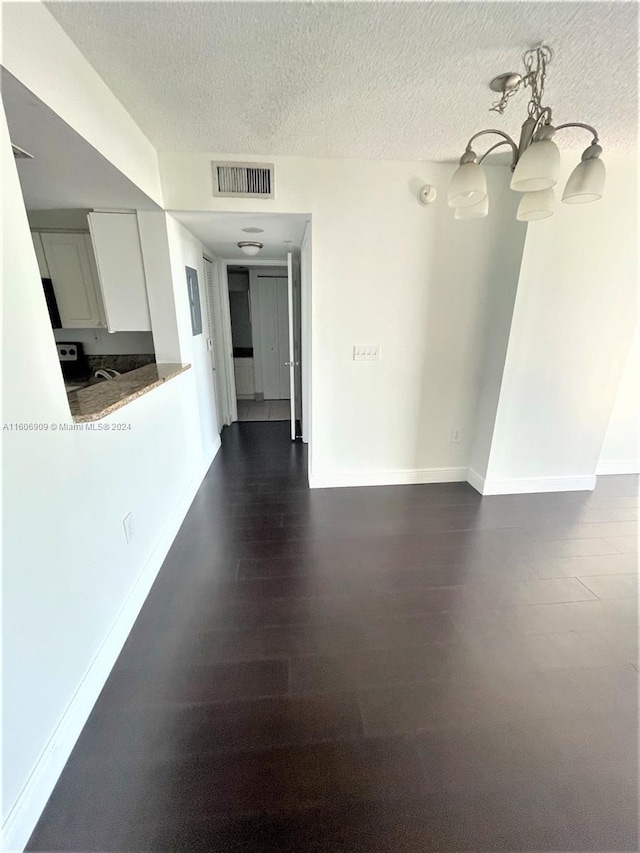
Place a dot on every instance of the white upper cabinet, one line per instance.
(69, 262)
(42, 261)
(116, 243)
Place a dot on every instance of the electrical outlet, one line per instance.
(129, 528)
(370, 353)
(456, 436)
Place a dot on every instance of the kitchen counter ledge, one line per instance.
(98, 401)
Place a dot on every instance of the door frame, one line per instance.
(292, 347)
(224, 333)
(305, 267)
(213, 342)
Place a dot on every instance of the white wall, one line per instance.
(186, 250)
(620, 452)
(100, 342)
(64, 219)
(387, 271)
(72, 586)
(574, 317)
(500, 300)
(41, 55)
(472, 284)
(154, 242)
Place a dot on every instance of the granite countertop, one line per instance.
(98, 401)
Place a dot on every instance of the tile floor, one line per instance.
(263, 410)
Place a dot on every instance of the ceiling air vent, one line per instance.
(243, 180)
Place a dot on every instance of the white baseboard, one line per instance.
(349, 479)
(476, 480)
(485, 486)
(618, 466)
(24, 815)
(532, 485)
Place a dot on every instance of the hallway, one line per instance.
(263, 410)
(382, 670)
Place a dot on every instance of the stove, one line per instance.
(73, 361)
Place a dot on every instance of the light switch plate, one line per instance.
(366, 353)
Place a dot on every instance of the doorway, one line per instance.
(259, 315)
(265, 335)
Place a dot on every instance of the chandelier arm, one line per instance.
(507, 140)
(493, 147)
(583, 126)
(505, 136)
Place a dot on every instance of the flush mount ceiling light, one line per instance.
(535, 159)
(253, 230)
(250, 248)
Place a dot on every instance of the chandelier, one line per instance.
(535, 160)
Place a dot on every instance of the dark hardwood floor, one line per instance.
(407, 668)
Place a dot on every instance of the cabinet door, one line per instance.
(116, 243)
(243, 368)
(42, 261)
(69, 261)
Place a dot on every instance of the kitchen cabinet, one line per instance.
(40, 256)
(245, 386)
(118, 253)
(71, 268)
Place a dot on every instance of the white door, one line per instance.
(273, 319)
(210, 291)
(292, 363)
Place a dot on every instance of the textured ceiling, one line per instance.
(368, 80)
(221, 232)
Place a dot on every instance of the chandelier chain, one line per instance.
(535, 62)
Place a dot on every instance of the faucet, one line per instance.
(106, 373)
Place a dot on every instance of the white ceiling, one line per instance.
(221, 232)
(66, 172)
(369, 80)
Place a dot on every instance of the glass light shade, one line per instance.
(586, 182)
(538, 167)
(468, 186)
(474, 211)
(249, 248)
(538, 205)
